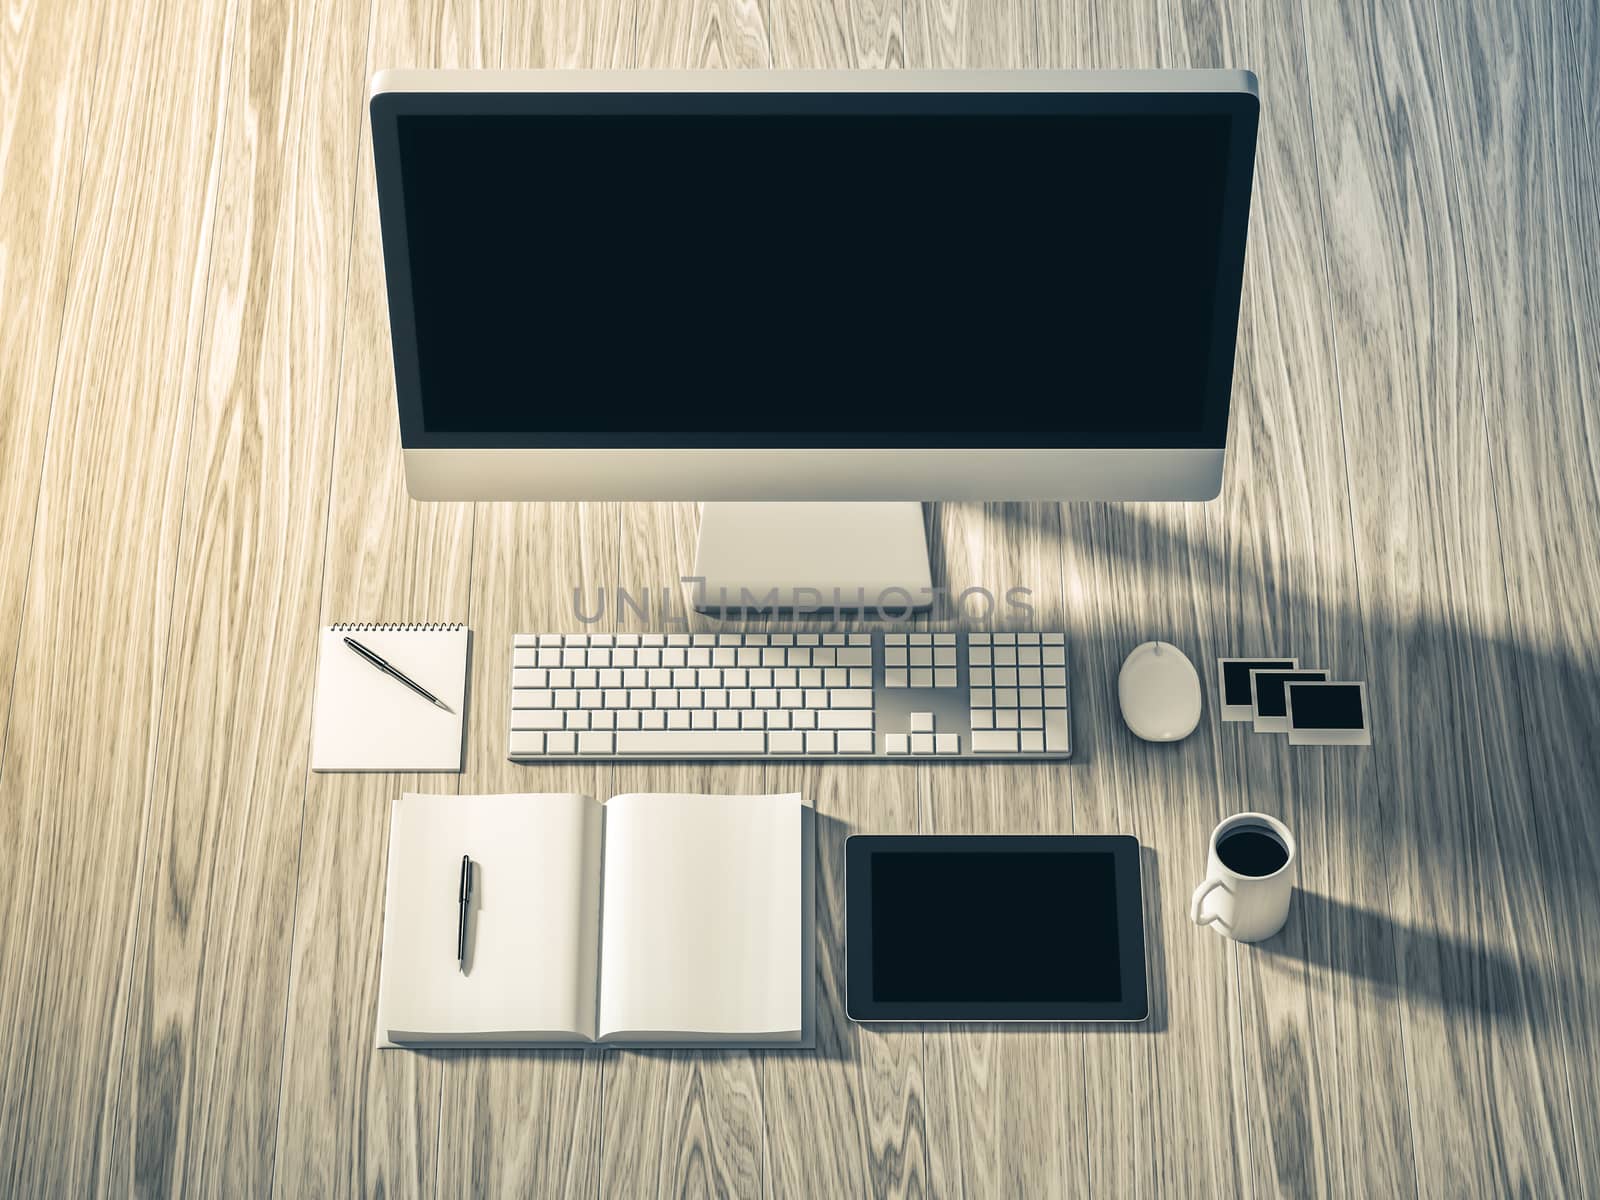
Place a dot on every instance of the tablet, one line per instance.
(994, 928)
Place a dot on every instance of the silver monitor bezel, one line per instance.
(579, 472)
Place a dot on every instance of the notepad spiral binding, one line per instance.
(396, 627)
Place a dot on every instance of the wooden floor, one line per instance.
(199, 465)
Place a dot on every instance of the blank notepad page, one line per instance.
(366, 720)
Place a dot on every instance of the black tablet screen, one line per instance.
(980, 926)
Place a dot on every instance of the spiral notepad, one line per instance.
(366, 720)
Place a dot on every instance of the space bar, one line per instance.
(691, 741)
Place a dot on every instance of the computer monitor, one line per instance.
(814, 287)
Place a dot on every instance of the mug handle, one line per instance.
(1200, 894)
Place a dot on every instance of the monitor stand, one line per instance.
(811, 557)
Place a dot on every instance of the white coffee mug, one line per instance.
(1246, 908)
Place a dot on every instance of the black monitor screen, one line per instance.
(982, 926)
(821, 278)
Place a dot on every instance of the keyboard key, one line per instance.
(1005, 697)
(691, 741)
(605, 719)
(616, 698)
(944, 656)
(894, 656)
(922, 722)
(749, 718)
(944, 677)
(982, 718)
(855, 742)
(859, 639)
(524, 742)
(819, 741)
(1032, 741)
(844, 718)
(1032, 718)
(1005, 718)
(538, 718)
(591, 698)
(786, 741)
(947, 743)
(817, 698)
(894, 639)
(577, 718)
(836, 677)
(922, 743)
(561, 743)
(922, 656)
(860, 677)
(653, 718)
(678, 718)
(595, 742)
(1054, 656)
(823, 657)
(848, 699)
(741, 698)
(897, 743)
(803, 718)
(566, 698)
(994, 741)
(922, 677)
(627, 718)
(792, 698)
(1055, 731)
(896, 678)
(532, 698)
(641, 698)
(1055, 677)
(702, 718)
(982, 698)
(1030, 698)
(727, 718)
(853, 656)
(666, 698)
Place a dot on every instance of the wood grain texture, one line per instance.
(1475, 978)
(1529, 289)
(352, 1120)
(47, 71)
(91, 656)
(198, 1106)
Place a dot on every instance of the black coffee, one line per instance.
(1251, 852)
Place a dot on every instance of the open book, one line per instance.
(646, 920)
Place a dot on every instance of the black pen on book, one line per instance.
(464, 895)
(388, 670)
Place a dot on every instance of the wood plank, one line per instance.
(526, 1121)
(1564, 708)
(1006, 1107)
(91, 654)
(47, 70)
(1489, 1105)
(1522, 173)
(848, 1118)
(529, 1122)
(1166, 1108)
(1326, 1107)
(198, 1106)
(676, 1122)
(351, 1119)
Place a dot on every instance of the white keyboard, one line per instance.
(789, 695)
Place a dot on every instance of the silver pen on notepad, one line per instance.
(388, 670)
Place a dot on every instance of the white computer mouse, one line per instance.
(1159, 691)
